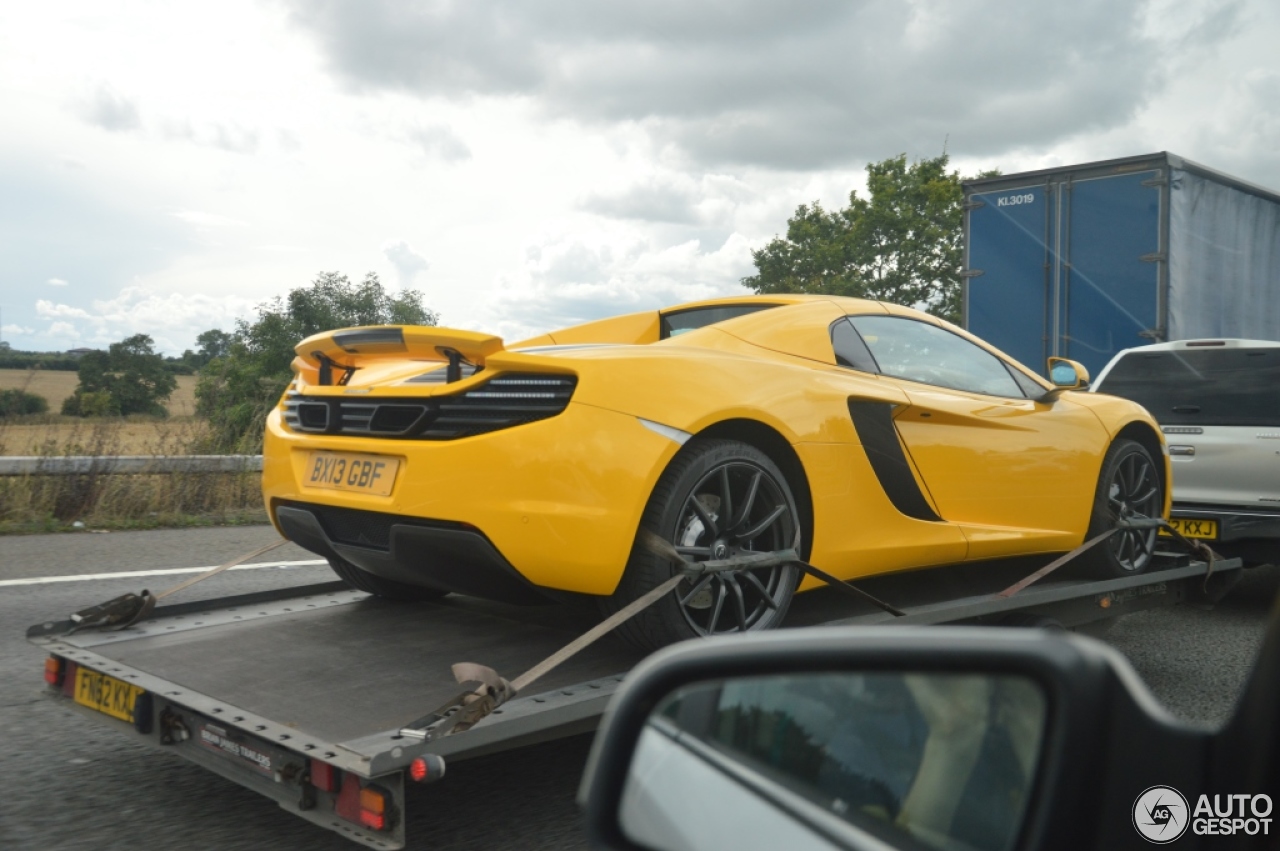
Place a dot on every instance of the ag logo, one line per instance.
(1160, 814)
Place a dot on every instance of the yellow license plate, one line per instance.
(351, 471)
(1194, 527)
(106, 694)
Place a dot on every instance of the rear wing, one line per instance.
(348, 348)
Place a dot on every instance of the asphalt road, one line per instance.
(67, 784)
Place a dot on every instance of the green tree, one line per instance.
(128, 378)
(212, 344)
(901, 244)
(236, 391)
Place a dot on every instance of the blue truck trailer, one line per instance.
(1083, 261)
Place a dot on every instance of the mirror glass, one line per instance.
(819, 760)
(1063, 375)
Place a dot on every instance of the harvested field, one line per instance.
(56, 385)
(68, 436)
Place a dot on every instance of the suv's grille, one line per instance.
(501, 402)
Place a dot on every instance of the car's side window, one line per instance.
(918, 351)
(850, 350)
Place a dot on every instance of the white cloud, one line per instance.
(229, 137)
(56, 282)
(104, 108)
(63, 330)
(203, 219)
(569, 279)
(409, 263)
(17, 330)
(639, 150)
(439, 141)
(171, 319)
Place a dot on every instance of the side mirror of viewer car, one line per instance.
(922, 738)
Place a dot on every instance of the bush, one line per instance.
(16, 403)
(90, 404)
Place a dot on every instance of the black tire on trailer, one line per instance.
(1129, 486)
(717, 498)
(388, 589)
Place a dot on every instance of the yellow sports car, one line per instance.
(421, 461)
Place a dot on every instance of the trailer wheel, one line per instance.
(718, 498)
(1129, 486)
(389, 589)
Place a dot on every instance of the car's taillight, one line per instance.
(504, 401)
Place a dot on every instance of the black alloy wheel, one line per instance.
(717, 499)
(1130, 487)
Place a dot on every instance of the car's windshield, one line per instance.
(1209, 386)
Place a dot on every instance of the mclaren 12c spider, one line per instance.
(421, 461)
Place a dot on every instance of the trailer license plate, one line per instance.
(351, 471)
(106, 694)
(1194, 527)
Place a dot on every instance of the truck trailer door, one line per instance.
(1108, 299)
(1007, 297)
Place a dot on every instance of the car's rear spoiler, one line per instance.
(348, 348)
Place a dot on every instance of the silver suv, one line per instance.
(1218, 403)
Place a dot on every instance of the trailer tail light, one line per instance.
(368, 806)
(373, 808)
(55, 670)
(69, 669)
(325, 777)
(426, 769)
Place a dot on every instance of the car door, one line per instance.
(1018, 475)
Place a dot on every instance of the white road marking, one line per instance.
(134, 574)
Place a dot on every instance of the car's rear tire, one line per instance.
(688, 508)
(1130, 485)
(389, 589)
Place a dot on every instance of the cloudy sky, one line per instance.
(166, 167)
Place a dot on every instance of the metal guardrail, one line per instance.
(62, 465)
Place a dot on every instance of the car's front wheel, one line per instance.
(717, 499)
(1129, 487)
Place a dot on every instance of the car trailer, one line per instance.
(322, 698)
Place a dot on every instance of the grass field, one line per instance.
(133, 436)
(56, 385)
(45, 503)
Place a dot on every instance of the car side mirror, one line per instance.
(902, 737)
(1065, 375)
(1068, 374)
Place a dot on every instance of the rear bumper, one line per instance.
(1234, 524)
(558, 501)
(408, 550)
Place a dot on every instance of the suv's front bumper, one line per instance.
(1234, 524)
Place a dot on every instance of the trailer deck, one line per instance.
(271, 689)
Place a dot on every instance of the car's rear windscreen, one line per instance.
(1226, 386)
